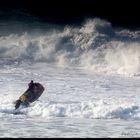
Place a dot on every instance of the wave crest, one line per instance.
(94, 45)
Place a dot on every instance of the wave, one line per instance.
(91, 109)
(94, 45)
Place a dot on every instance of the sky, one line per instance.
(118, 12)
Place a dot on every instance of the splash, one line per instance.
(94, 45)
(88, 109)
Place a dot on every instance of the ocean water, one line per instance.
(90, 73)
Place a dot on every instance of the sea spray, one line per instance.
(94, 45)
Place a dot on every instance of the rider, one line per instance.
(31, 94)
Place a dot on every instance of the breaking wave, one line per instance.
(94, 45)
(100, 110)
(91, 109)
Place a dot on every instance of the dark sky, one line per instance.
(118, 12)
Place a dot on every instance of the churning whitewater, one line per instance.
(91, 77)
(95, 45)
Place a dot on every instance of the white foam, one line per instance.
(94, 45)
(91, 109)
